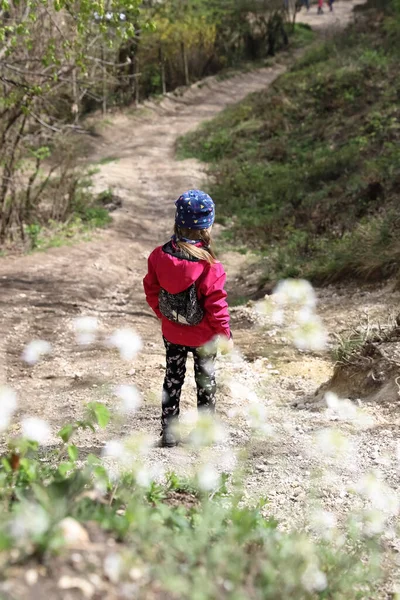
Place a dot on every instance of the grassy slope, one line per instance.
(311, 169)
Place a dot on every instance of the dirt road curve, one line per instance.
(40, 294)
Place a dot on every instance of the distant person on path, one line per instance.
(185, 288)
(330, 4)
(320, 7)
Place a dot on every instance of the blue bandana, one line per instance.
(194, 210)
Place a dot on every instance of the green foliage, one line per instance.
(313, 166)
(189, 543)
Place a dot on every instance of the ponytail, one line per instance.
(205, 252)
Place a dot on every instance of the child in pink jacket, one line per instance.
(185, 288)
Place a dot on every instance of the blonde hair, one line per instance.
(205, 252)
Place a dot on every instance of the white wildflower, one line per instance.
(313, 579)
(256, 416)
(30, 521)
(114, 449)
(190, 417)
(309, 333)
(374, 522)
(323, 522)
(298, 292)
(85, 329)
(138, 444)
(8, 405)
(343, 409)
(34, 351)
(130, 398)
(333, 443)
(278, 317)
(346, 410)
(35, 429)
(379, 494)
(242, 392)
(113, 566)
(143, 477)
(208, 478)
(208, 431)
(127, 341)
(146, 475)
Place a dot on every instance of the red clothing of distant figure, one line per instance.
(173, 274)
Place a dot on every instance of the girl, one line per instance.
(185, 288)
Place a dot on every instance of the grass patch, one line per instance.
(108, 159)
(309, 172)
(87, 215)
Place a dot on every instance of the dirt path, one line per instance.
(40, 294)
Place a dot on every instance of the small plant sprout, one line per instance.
(35, 430)
(127, 341)
(208, 478)
(8, 405)
(85, 329)
(35, 350)
(130, 398)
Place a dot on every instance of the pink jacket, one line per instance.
(174, 274)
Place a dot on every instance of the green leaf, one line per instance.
(65, 467)
(101, 413)
(6, 465)
(73, 452)
(66, 432)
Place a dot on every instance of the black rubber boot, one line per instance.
(168, 438)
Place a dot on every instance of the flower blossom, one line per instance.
(208, 478)
(127, 341)
(130, 398)
(297, 292)
(85, 329)
(35, 429)
(34, 351)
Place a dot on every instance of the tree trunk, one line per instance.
(104, 93)
(137, 80)
(185, 63)
(162, 70)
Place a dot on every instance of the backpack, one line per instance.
(183, 308)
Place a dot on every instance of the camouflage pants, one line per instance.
(204, 374)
